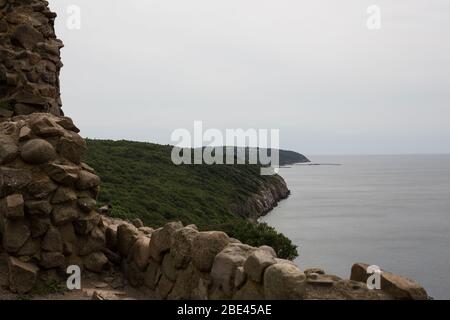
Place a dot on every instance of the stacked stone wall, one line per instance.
(48, 217)
(29, 59)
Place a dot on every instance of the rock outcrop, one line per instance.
(398, 287)
(262, 202)
(29, 59)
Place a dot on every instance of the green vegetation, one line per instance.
(44, 288)
(140, 180)
(51, 286)
(6, 105)
(291, 157)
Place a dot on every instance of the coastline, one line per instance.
(264, 200)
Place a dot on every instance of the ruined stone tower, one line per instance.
(47, 194)
(29, 59)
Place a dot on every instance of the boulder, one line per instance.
(22, 109)
(27, 36)
(52, 241)
(162, 239)
(152, 274)
(240, 277)
(189, 285)
(8, 149)
(63, 214)
(41, 187)
(86, 223)
(134, 275)
(50, 260)
(146, 230)
(226, 264)
(314, 271)
(31, 248)
(69, 239)
(269, 250)
(15, 235)
(13, 180)
(164, 287)
(67, 124)
(64, 194)
(168, 268)
(140, 252)
(93, 242)
(13, 206)
(112, 256)
(25, 133)
(87, 204)
(72, 148)
(38, 151)
(6, 113)
(63, 174)
(398, 287)
(22, 276)
(43, 125)
(39, 226)
(99, 296)
(137, 223)
(181, 248)
(87, 180)
(29, 99)
(257, 263)
(206, 245)
(3, 24)
(321, 280)
(284, 281)
(41, 208)
(127, 235)
(95, 262)
(250, 291)
(111, 237)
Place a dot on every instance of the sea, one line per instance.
(389, 211)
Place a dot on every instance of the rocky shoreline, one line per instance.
(265, 200)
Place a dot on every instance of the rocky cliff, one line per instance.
(262, 202)
(48, 215)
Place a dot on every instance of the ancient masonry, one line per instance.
(30, 60)
(48, 215)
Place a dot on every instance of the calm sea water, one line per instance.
(392, 211)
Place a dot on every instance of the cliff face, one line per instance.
(29, 59)
(259, 204)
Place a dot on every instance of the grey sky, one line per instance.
(138, 69)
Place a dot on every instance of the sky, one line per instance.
(140, 69)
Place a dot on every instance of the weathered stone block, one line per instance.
(22, 276)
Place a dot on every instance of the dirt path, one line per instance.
(108, 286)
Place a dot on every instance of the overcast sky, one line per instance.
(139, 69)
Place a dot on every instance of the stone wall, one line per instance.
(47, 199)
(29, 59)
(181, 263)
